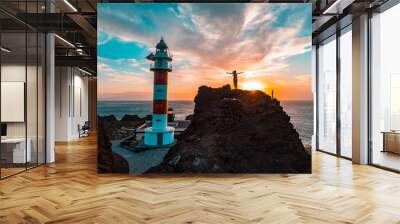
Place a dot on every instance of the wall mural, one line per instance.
(204, 88)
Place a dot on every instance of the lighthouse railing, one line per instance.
(153, 66)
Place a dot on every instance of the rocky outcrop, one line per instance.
(189, 117)
(133, 120)
(237, 131)
(120, 165)
(120, 129)
(107, 161)
(104, 152)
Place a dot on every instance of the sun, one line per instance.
(252, 85)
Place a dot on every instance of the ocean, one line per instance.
(301, 112)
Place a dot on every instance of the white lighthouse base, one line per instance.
(159, 137)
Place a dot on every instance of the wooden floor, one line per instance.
(70, 191)
(387, 159)
(5, 172)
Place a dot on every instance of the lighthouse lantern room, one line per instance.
(160, 133)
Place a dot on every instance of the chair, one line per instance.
(84, 130)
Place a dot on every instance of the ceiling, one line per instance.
(331, 15)
(73, 21)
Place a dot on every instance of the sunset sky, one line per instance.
(270, 42)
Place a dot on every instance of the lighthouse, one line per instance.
(160, 134)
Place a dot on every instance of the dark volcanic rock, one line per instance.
(107, 161)
(119, 129)
(120, 165)
(237, 131)
(113, 127)
(104, 152)
(189, 117)
(109, 122)
(109, 128)
(130, 118)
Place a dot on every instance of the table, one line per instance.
(19, 155)
(391, 141)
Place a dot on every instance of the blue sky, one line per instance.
(270, 42)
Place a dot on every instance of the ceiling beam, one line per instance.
(77, 61)
(86, 26)
(320, 23)
(49, 22)
(337, 7)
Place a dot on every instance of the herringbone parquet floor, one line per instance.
(70, 191)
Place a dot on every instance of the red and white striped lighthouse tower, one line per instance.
(160, 133)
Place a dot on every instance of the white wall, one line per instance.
(80, 110)
(12, 73)
(17, 73)
(71, 102)
(62, 82)
(33, 126)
